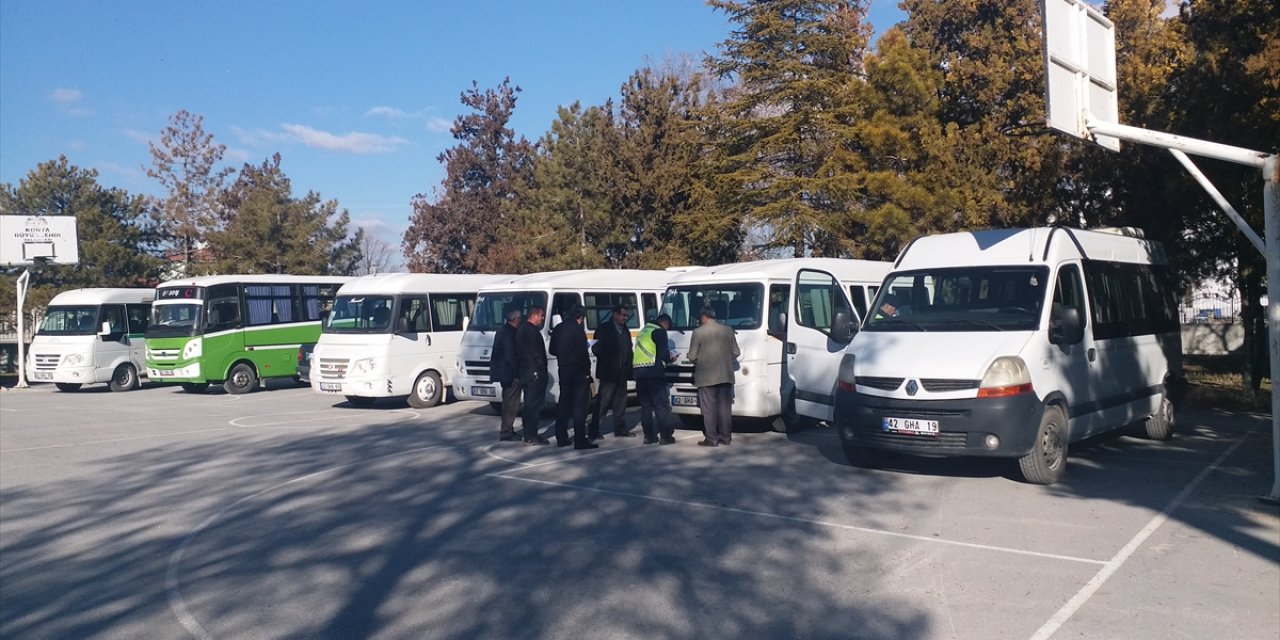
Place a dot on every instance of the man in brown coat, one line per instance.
(713, 351)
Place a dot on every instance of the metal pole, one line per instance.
(23, 281)
(1238, 155)
(1221, 200)
(1271, 207)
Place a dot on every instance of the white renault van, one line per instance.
(1012, 344)
(90, 336)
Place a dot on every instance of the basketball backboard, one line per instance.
(27, 239)
(1080, 69)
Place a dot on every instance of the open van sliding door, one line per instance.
(813, 353)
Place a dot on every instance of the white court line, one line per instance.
(82, 444)
(172, 582)
(821, 523)
(1111, 566)
(327, 412)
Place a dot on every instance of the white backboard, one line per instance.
(26, 239)
(1080, 69)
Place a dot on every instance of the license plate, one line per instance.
(487, 392)
(335, 387)
(42, 375)
(911, 425)
(684, 401)
(164, 373)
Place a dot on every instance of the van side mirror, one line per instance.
(556, 320)
(1067, 328)
(842, 327)
(105, 330)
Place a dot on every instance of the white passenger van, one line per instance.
(92, 335)
(793, 319)
(1013, 344)
(556, 292)
(394, 335)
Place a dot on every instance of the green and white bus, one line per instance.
(235, 329)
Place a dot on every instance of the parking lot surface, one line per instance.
(286, 514)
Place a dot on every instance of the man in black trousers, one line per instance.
(531, 365)
(613, 369)
(569, 346)
(502, 370)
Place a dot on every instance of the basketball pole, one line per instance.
(23, 281)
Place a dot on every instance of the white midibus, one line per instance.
(92, 335)
(395, 335)
(556, 292)
(793, 319)
(1013, 343)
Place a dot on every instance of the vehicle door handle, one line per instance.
(1092, 353)
(428, 340)
(791, 347)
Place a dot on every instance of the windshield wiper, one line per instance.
(898, 320)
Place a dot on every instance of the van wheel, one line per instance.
(360, 401)
(67, 386)
(195, 387)
(1048, 458)
(861, 457)
(124, 378)
(790, 421)
(1160, 425)
(427, 390)
(242, 379)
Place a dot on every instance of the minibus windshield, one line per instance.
(491, 307)
(174, 320)
(80, 320)
(360, 314)
(736, 305)
(961, 299)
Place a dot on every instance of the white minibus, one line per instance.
(556, 292)
(792, 318)
(1013, 344)
(92, 335)
(395, 335)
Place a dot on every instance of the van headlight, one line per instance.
(1007, 376)
(193, 349)
(74, 359)
(365, 365)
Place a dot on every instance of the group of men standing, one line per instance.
(519, 363)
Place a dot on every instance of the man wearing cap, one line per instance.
(569, 346)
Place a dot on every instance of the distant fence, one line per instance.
(1210, 309)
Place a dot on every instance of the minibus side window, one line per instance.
(562, 304)
(779, 294)
(1067, 293)
(113, 315)
(859, 299)
(650, 301)
(819, 298)
(139, 317)
(413, 310)
(447, 311)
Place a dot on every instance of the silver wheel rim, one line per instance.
(426, 388)
(240, 379)
(125, 377)
(1051, 446)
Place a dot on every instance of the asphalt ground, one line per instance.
(286, 514)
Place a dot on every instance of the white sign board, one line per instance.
(1080, 69)
(26, 239)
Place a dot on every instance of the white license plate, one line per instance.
(910, 425)
(164, 373)
(41, 375)
(684, 401)
(487, 392)
(335, 387)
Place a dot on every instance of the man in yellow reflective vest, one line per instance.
(648, 366)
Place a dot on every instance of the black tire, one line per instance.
(360, 401)
(427, 390)
(241, 379)
(1047, 460)
(195, 387)
(67, 386)
(124, 378)
(1160, 425)
(790, 421)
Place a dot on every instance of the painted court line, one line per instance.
(82, 444)
(1111, 566)
(821, 523)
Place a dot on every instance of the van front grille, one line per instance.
(875, 382)
(937, 385)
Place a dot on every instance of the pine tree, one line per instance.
(186, 165)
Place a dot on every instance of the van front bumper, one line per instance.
(963, 425)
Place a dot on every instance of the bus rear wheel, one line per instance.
(124, 378)
(67, 386)
(194, 387)
(241, 379)
(427, 390)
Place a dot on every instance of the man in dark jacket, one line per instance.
(569, 346)
(613, 369)
(502, 370)
(531, 367)
(648, 367)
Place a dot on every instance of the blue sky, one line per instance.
(356, 96)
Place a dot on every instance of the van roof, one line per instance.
(257, 278)
(103, 296)
(786, 269)
(1039, 245)
(393, 283)
(602, 279)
